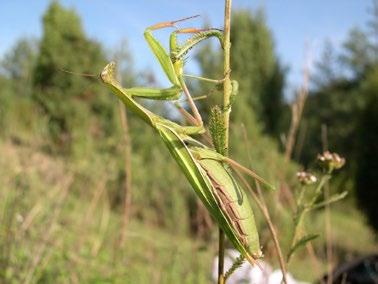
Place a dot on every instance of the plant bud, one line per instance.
(330, 161)
(306, 178)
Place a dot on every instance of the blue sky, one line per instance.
(293, 23)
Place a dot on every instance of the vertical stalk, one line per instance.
(128, 183)
(264, 209)
(227, 89)
(297, 111)
(221, 279)
(328, 230)
(327, 213)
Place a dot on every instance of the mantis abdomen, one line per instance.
(234, 203)
(218, 190)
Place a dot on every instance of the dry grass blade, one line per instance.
(296, 114)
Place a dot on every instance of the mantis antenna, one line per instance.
(80, 74)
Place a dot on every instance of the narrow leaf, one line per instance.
(303, 241)
(332, 199)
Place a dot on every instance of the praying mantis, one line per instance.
(208, 172)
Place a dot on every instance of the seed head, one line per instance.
(330, 161)
(306, 178)
(217, 129)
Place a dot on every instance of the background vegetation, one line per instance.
(63, 155)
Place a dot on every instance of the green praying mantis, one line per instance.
(208, 172)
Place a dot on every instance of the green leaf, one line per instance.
(303, 241)
(332, 199)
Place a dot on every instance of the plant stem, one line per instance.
(297, 225)
(296, 113)
(264, 208)
(328, 233)
(227, 89)
(318, 189)
(300, 197)
(302, 209)
(128, 183)
(221, 257)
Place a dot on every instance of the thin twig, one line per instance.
(296, 117)
(328, 231)
(327, 214)
(227, 88)
(221, 279)
(273, 233)
(128, 174)
(296, 113)
(264, 209)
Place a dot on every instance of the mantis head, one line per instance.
(108, 74)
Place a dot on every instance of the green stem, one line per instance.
(297, 225)
(227, 89)
(221, 279)
(318, 189)
(303, 208)
(300, 197)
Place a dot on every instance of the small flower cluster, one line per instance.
(306, 178)
(330, 161)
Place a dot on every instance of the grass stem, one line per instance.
(227, 89)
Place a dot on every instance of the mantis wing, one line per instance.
(219, 192)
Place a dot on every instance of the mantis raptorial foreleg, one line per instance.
(109, 78)
(172, 65)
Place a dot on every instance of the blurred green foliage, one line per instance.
(342, 100)
(367, 155)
